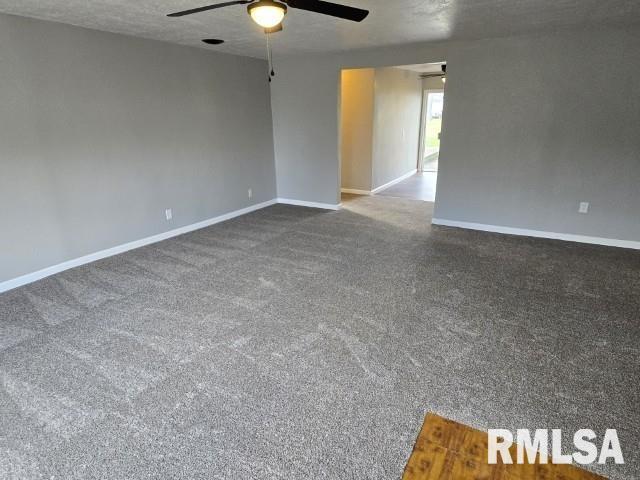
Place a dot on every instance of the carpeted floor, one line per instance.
(293, 343)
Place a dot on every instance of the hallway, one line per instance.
(421, 186)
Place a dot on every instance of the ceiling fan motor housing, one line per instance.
(272, 11)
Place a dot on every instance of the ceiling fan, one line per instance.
(269, 14)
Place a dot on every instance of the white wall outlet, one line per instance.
(250, 193)
(168, 213)
(584, 207)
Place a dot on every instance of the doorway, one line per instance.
(432, 110)
(390, 123)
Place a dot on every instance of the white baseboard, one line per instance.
(393, 182)
(76, 262)
(304, 203)
(355, 191)
(569, 237)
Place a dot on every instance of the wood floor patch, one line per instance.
(447, 450)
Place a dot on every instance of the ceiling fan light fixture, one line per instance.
(267, 13)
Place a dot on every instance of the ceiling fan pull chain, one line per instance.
(269, 57)
(272, 73)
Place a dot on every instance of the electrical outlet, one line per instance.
(250, 193)
(584, 207)
(168, 213)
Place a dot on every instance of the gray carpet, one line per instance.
(293, 343)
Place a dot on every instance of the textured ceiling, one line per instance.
(390, 21)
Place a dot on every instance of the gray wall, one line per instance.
(100, 133)
(356, 120)
(306, 121)
(532, 126)
(545, 124)
(396, 131)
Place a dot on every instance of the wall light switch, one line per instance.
(168, 213)
(250, 193)
(584, 207)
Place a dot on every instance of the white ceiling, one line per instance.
(390, 21)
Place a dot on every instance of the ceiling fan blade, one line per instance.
(209, 7)
(328, 8)
(213, 41)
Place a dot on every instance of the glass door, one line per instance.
(432, 130)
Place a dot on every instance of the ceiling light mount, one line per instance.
(267, 13)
